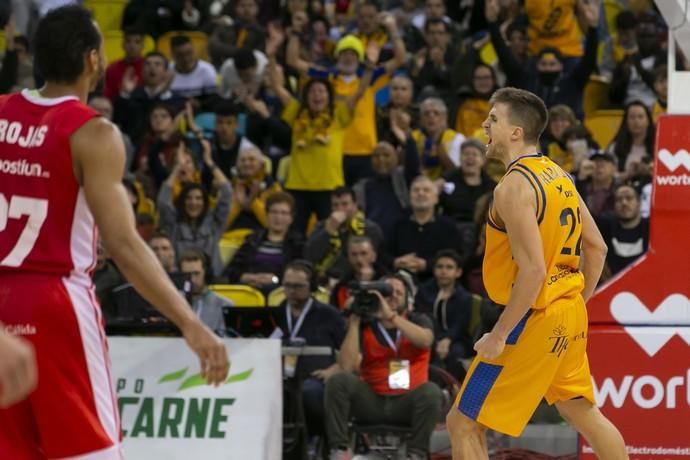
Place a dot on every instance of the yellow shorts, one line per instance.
(545, 357)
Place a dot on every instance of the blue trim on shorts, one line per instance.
(477, 389)
(517, 330)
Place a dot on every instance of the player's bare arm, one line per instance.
(99, 158)
(18, 373)
(594, 252)
(514, 204)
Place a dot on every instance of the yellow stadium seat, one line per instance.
(230, 242)
(199, 40)
(113, 45)
(276, 296)
(596, 96)
(240, 295)
(604, 124)
(107, 13)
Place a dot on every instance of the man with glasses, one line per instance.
(304, 321)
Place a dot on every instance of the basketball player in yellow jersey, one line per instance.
(543, 258)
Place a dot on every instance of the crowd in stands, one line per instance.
(305, 146)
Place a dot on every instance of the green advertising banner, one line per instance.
(168, 412)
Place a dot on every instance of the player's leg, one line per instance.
(73, 407)
(467, 437)
(573, 395)
(502, 394)
(600, 433)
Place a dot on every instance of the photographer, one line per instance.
(389, 347)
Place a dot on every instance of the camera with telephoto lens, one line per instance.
(366, 303)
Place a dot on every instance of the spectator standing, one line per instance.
(193, 77)
(189, 221)
(400, 110)
(132, 64)
(244, 32)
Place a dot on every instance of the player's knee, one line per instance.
(459, 424)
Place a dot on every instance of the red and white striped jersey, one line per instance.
(45, 223)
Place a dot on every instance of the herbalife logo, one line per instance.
(672, 162)
(151, 411)
(651, 330)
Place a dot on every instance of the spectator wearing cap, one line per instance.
(385, 197)
(626, 232)
(360, 137)
(438, 145)
(552, 81)
(561, 117)
(318, 123)
(462, 187)
(596, 182)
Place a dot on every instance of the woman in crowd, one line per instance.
(634, 140)
(251, 186)
(561, 118)
(261, 259)
(318, 123)
(473, 108)
(189, 220)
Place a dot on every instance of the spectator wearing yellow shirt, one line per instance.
(360, 137)
(438, 145)
(552, 142)
(473, 108)
(553, 24)
(251, 186)
(318, 123)
(369, 28)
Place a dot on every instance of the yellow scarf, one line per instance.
(308, 129)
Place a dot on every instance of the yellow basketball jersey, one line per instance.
(560, 226)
